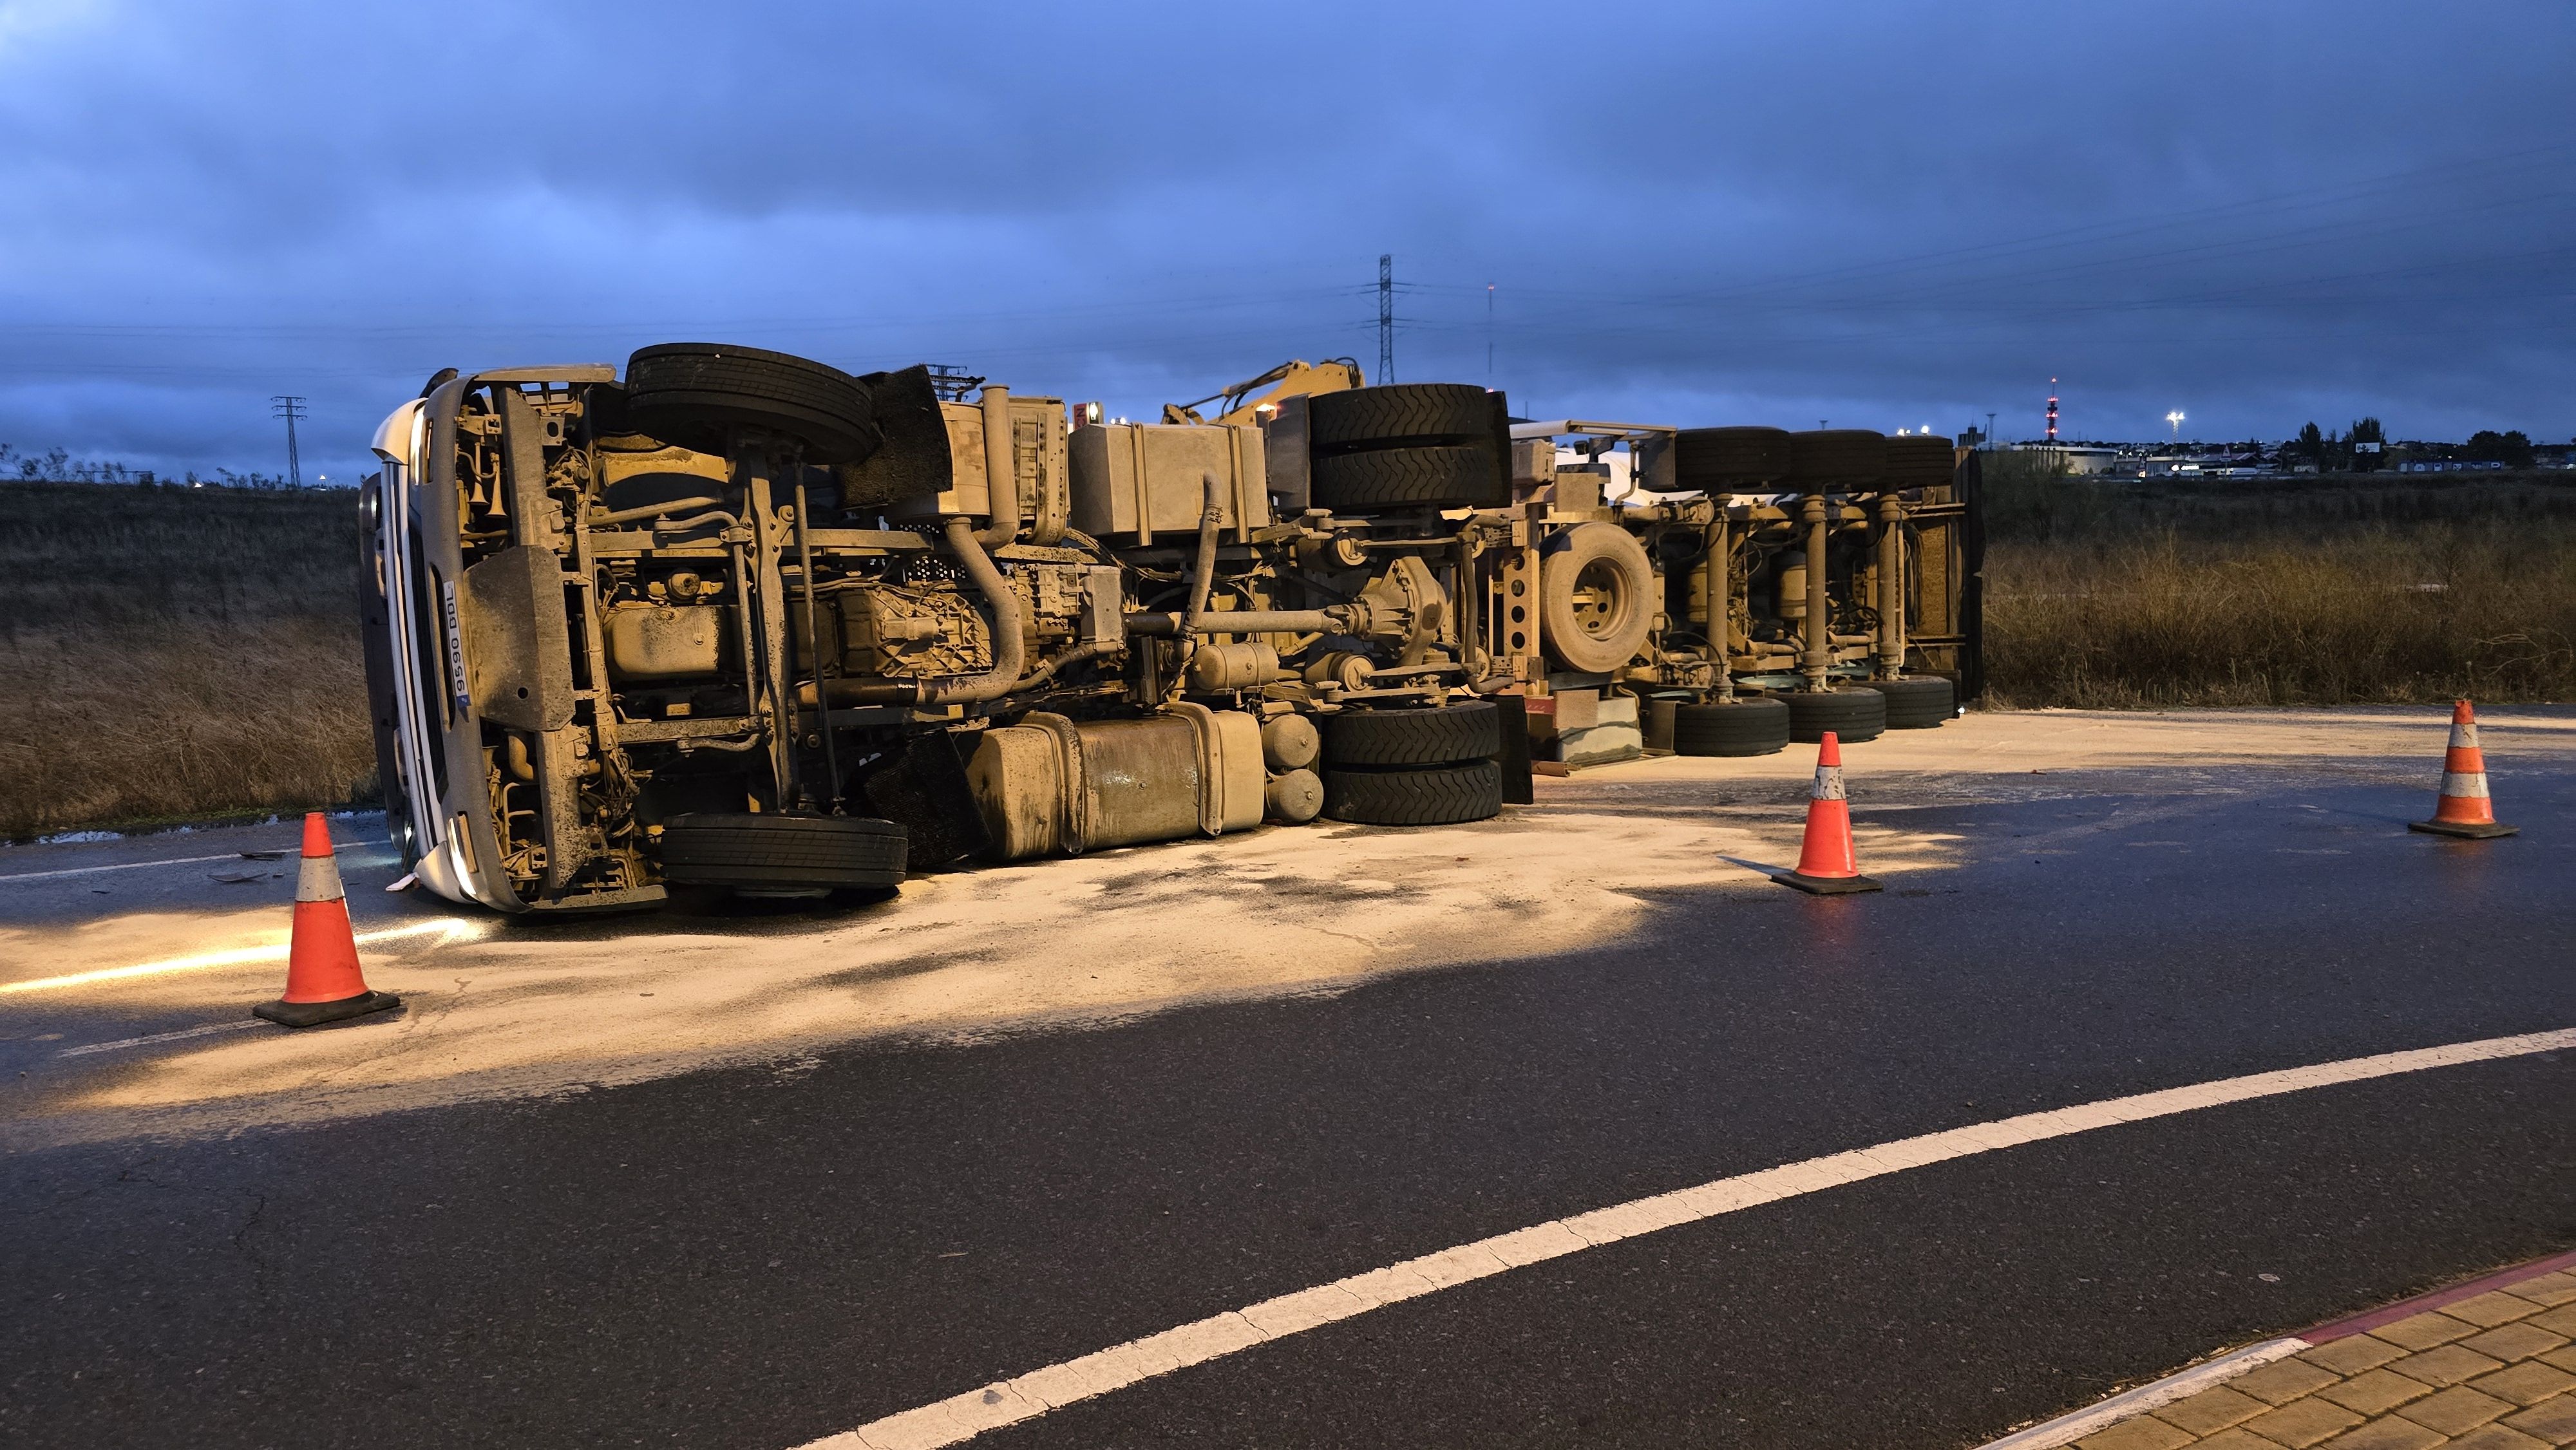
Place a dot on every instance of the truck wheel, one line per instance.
(1454, 475)
(782, 853)
(1715, 457)
(1918, 702)
(693, 393)
(1741, 727)
(1428, 735)
(1853, 715)
(1438, 796)
(1597, 597)
(1837, 455)
(1399, 415)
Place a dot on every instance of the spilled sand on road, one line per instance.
(1046, 945)
(501, 1009)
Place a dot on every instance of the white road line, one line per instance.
(119, 866)
(2067, 1429)
(452, 927)
(1005, 1402)
(158, 1037)
(346, 857)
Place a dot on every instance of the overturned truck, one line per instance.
(735, 620)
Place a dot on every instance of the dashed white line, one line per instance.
(347, 858)
(1005, 1402)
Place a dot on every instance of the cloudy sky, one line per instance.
(1875, 213)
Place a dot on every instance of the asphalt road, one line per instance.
(755, 1256)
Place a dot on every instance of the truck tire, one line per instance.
(1597, 597)
(1837, 455)
(1420, 735)
(1740, 727)
(1399, 415)
(1920, 461)
(1853, 715)
(782, 853)
(1442, 795)
(1450, 475)
(1715, 457)
(694, 393)
(1918, 702)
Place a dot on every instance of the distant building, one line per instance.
(2076, 457)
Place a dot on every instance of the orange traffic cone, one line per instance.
(323, 983)
(2463, 809)
(1826, 865)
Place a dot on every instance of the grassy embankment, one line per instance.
(176, 653)
(2351, 590)
(173, 654)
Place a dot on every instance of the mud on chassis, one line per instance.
(740, 620)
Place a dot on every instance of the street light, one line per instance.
(2173, 420)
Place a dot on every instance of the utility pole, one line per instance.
(1489, 337)
(290, 407)
(1386, 319)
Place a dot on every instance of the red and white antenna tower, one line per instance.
(2052, 410)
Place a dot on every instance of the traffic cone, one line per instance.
(1826, 865)
(2463, 809)
(323, 983)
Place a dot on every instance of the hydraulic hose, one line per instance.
(1001, 471)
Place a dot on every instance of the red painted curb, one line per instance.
(2501, 1279)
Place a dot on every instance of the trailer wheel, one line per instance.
(1715, 457)
(1426, 735)
(1455, 475)
(1399, 415)
(694, 393)
(1740, 727)
(1918, 702)
(782, 853)
(1920, 461)
(1597, 597)
(1853, 715)
(1837, 455)
(1435, 796)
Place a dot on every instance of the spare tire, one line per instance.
(1461, 475)
(1706, 457)
(695, 393)
(1443, 795)
(1739, 727)
(1837, 455)
(1597, 597)
(1917, 702)
(1919, 461)
(1853, 715)
(782, 853)
(1417, 735)
(1399, 415)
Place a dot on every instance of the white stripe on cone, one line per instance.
(1829, 783)
(2457, 786)
(2464, 735)
(318, 879)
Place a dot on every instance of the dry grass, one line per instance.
(176, 653)
(2285, 615)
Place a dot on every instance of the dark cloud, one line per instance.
(1880, 213)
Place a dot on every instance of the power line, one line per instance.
(1386, 318)
(290, 406)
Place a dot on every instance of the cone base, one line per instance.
(314, 1014)
(1826, 885)
(2465, 830)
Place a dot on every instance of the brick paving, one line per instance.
(2496, 1371)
